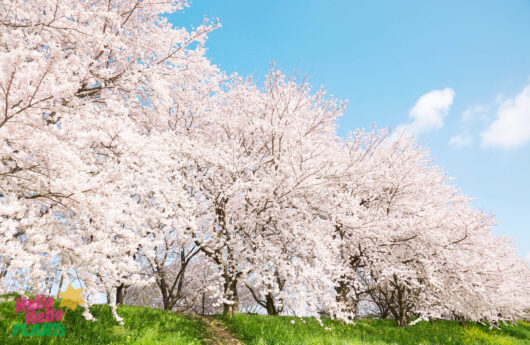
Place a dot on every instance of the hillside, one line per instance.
(142, 326)
(270, 330)
(152, 326)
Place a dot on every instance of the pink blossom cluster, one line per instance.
(130, 163)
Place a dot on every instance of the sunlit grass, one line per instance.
(142, 326)
(153, 326)
(271, 330)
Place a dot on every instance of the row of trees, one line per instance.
(130, 163)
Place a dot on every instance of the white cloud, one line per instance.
(469, 118)
(429, 111)
(461, 140)
(511, 129)
(466, 115)
(472, 113)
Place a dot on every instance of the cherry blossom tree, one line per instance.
(404, 229)
(267, 156)
(81, 93)
(128, 160)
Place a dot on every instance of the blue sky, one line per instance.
(383, 56)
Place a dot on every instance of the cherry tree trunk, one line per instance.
(402, 320)
(120, 294)
(230, 288)
(270, 306)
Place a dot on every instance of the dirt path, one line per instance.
(220, 335)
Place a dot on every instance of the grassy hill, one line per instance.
(152, 326)
(276, 330)
(142, 326)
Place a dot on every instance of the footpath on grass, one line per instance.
(146, 326)
(142, 325)
(217, 332)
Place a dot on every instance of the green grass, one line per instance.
(153, 326)
(272, 330)
(142, 326)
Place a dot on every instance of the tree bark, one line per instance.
(230, 289)
(203, 303)
(402, 320)
(120, 294)
(270, 306)
(348, 304)
(60, 286)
